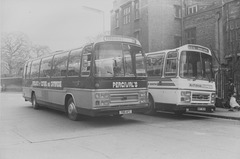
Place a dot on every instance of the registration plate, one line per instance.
(201, 109)
(125, 111)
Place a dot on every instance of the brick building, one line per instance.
(166, 24)
(202, 25)
(157, 24)
(231, 33)
(216, 25)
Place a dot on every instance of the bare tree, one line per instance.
(39, 50)
(14, 51)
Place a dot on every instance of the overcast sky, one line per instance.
(59, 24)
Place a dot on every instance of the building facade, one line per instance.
(231, 29)
(167, 24)
(157, 24)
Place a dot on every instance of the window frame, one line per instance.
(178, 11)
(126, 11)
(78, 51)
(27, 70)
(191, 35)
(37, 72)
(171, 59)
(136, 10)
(159, 56)
(192, 9)
(86, 52)
(50, 58)
(117, 19)
(62, 56)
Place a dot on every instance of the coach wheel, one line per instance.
(35, 105)
(151, 110)
(71, 110)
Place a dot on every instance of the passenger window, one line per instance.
(74, 63)
(60, 65)
(46, 65)
(171, 64)
(35, 69)
(86, 62)
(27, 70)
(155, 64)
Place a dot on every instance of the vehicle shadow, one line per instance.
(173, 116)
(99, 121)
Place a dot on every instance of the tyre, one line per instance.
(72, 111)
(151, 110)
(35, 105)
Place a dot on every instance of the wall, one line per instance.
(11, 84)
(209, 31)
(140, 25)
(157, 22)
(163, 25)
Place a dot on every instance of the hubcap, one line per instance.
(71, 108)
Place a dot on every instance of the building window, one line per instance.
(177, 41)
(238, 23)
(126, 14)
(192, 9)
(177, 11)
(190, 35)
(238, 34)
(232, 35)
(136, 7)
(117, 18)
(231, 23)
(136, 34)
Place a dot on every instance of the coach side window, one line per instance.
(35, 69)
(27, 70)
(171, 64)
(74, 63)
(46, 65)
(86, 61)
(60, 65)
(155, 64)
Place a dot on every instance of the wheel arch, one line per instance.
(151, 96)
(32, 92)
(67, 97)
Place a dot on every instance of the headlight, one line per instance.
(102, 102)
(185, 93)
(142, 94)
(102, 99)
(143, 97)
(102, 95)
(213, 96)
(186, 96)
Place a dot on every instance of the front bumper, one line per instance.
(140, 108)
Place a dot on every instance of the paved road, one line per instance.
(26, 133)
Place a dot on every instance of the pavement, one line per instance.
(219, 113)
